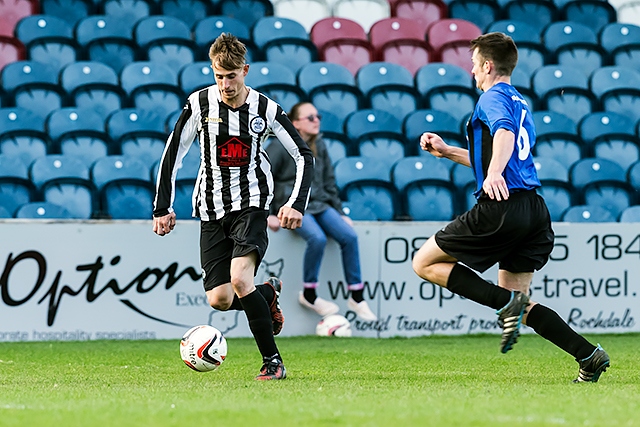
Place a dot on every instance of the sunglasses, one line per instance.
(311, 117)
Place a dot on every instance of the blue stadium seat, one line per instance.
(71, 11)
(166, 40)
(611, 136)
(595, 14)
(633, 176)
(338, 144)
(463, 179)
(436, 121)
(43, 210)
(366, 184)
(564, 89)
(574, 44)
(127, 11)
(93, 86)
(22, 134)
(630, 214)
(557, 137)
(425, 189)
(389, 87)
(537, 13)
(64, 180)
(4, 213)
(622, 41)
(126, 191)
(331, 87)
(618, 88)
(556, 189)
(359, 212)
(447, 87)
(107, 39)
(247, 11)
(480, 12)
(277, 81)
(137, 133)
(519, 31)
(377, 134)
(48, 39)
(585, 213)
(152, 87)
(16, 187)
(284, 41)
(195, 76)
(208, 29)
(33, 86)
(78, 132)
(189, 11)
(532, 54)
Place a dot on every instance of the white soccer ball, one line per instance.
(334, 325)
(203, 348)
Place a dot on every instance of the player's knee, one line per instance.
(218, 302)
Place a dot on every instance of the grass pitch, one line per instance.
(429, 381)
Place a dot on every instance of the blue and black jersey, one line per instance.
(503, 107)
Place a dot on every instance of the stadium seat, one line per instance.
(48, 39)
(11, 12)
(564, 89)
(452, 34)
(366, 184)
(166, 40)
(630, 214)
(78, 132)
(425, 12)
(401, 41)
(584, 213)
(277, 81)
(64, 180)
(463, 179)
(556, 189)
(611, 136)
(126, 191)
(71, 11)
(537, 13)
(595, 14)
(519, 31)
(4, 213)
(557, 137)
(364, 12)
(127, 11)
(389, 87)
(633, 176)
(331, 87)
(43, 210)
(425, 189)
(358, 212)
(22, 134)
(342, 41)
(11, 50)
(16, 187)
(196, 76)
(137, 133)
(107, 39)
(92, 85)
(446, 87)
(574, 44)
(189, 11)
(436, 121)
(338, 144)
(376, 134)
(480, 12)
(208, 29)
(247, 11)
(152, 87)
(284, 41)
(618, 88)
(306, 12)
(618, 35)
(522, 82)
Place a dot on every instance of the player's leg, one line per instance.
(512, 315)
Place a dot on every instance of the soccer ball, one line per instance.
(334, 325)
(203, 348)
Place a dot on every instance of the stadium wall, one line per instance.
(117, 280)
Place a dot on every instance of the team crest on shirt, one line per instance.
(257, 124)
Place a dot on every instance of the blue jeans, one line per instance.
(315, 229)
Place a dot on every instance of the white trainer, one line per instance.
(361, 309)
(320, 306)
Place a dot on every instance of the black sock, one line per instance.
(267, 292)
(551, 327)
(310, 295)
(464, 282)
(259, 317)
(236, 304)
(358, 295)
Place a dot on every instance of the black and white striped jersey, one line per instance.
(235, 172)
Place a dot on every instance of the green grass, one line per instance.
(430, 381)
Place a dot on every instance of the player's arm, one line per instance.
(434, 144)
(290, 214)
(177, 146)
(494, 184)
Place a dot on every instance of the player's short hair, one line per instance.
(227, 52)
(498, 48)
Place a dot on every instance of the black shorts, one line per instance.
(515, 233)
(236, 234)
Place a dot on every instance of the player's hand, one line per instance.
(164, 224)
(273, 222)
(495, 187)
(289, 218)
(433, 143)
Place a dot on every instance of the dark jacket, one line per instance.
(324, 192)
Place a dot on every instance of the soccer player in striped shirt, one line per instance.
(234, 190)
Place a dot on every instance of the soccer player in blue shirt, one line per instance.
(510, 224)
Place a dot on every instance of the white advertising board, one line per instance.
(117, 280)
